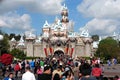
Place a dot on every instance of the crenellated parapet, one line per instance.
(87, 40)
(30, 37)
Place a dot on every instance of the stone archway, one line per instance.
(58, 52)
(58, 49)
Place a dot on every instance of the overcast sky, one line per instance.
(97, 16)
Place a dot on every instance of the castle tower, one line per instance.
(13, 43)
(46, 29)
(21, 44)
(64, 14)
(30, 39)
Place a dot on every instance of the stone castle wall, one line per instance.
(34, 49)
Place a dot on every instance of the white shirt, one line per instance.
(28, 76)
(9, 79)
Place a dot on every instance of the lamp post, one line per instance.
(1, 38)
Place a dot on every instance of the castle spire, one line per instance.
(56, 19)
(13, 39)
(21, 41)
(64, 7)
(46, 24)
(64, 14)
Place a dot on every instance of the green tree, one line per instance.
(108, 48)
(17, 37)
(17, 53)
(6, 35)
(95, 37)
(4, 44)
(11, 36)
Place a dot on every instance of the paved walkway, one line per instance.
(112, 70)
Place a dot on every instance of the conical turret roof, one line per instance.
(13, 39)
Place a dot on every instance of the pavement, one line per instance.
(112, 70)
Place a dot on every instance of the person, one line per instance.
(3, 70)
(116, 77)
(76, 71)
(16, 68)
(23, 67)
(10, 76)
(68, 75)
(28, 75)
(32, 65)
(39, 70)
(41, 63)
(56, 77)
(58, 71)
(46, 75)
(114, 62)
(85, 70)
(109, 63)
(102, 67)
(97, 72)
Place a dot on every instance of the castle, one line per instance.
(57, 38)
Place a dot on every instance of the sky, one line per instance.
(99, 17)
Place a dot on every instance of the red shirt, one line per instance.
(17, 67)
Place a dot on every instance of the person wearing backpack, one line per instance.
(16, 68)
(97, 71)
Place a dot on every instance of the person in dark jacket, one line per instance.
(46, 75)
(85, 70)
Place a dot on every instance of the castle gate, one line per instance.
(58, 52)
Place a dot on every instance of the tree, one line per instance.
(11, 36)
(108, 48)
(17, 37)
(17, 53)
(95, 37)
(4, 44)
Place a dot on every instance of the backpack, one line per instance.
(6, 78)
(97, 72)
(17, 68)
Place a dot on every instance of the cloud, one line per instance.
(41, 6)
(2, 23)
(102, 26)
(16, 22)
(104, 13)
(11, 20)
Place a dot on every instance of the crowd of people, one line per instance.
(56, 68)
